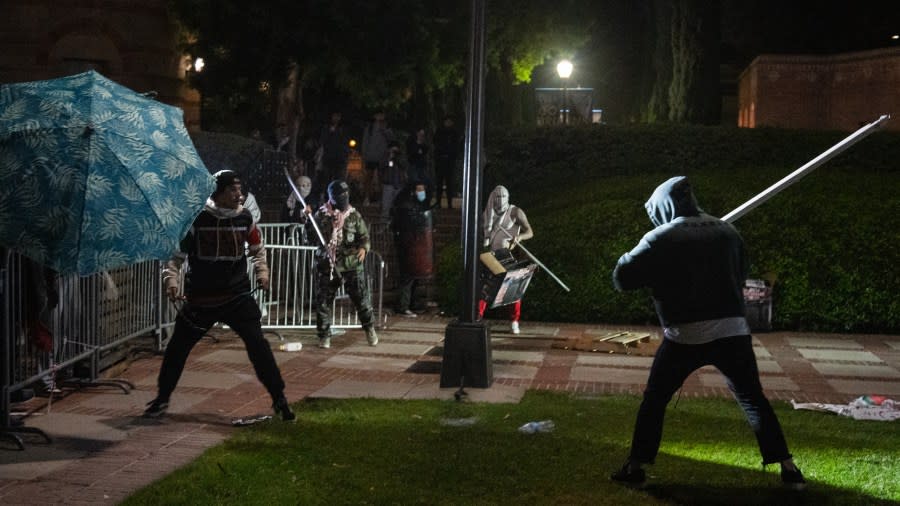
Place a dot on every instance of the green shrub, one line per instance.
(831, 238)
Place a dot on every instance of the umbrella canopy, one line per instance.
(94, 175)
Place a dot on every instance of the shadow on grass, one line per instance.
(704, 483)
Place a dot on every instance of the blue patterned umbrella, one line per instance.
(93, 175)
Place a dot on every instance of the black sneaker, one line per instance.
(793, 478)
(282, 408)
(630, 475)
(156, 408)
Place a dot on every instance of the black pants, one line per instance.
(408, 286)
(243, 316)
(734, 358)
(326, 288)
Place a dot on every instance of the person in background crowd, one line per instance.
(417, 156)
(294, 212)
(341, 259)
(695, 266)
(309, 148)
(446, 146)
(393, 178)
(335, 151)
(505, 225)
(217, 289)
(412, 224)
(282, 137)
(249, 203)
(376, 138)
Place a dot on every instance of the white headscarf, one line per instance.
(496, 208)
(304, 185)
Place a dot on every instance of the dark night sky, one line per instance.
(753, 27)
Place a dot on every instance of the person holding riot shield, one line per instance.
(504, 226)
(413, 236)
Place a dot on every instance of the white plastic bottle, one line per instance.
(290, 346)
(534, 427)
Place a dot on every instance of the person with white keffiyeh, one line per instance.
(341, 260)
(505, 225)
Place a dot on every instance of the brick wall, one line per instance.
(133, 42)
(833, 92)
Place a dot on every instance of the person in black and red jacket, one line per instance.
(217, 289)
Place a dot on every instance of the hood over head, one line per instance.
(671, 200)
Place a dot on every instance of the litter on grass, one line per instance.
(459, 422)
(867, 407)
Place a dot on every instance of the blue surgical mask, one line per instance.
(420, 196)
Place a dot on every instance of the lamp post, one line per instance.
(564, 69)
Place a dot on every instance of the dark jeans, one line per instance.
(242, 315)
(408, 286)
(674, 362)
(357, 289)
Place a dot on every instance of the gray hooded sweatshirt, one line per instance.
(694, 264)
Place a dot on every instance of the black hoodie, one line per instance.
(694, 263)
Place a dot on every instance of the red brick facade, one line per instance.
(133, 42)
(834, 92)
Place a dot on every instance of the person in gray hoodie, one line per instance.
(695, 266)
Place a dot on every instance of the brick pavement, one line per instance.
(103, 451)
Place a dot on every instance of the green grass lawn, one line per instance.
(368, 451)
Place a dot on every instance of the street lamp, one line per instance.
(564, 69)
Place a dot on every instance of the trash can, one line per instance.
(758, 304)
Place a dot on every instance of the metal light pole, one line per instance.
(467, 357)
(564, 69)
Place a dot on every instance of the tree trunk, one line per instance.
(657, 108)
(693, 93)
(289, 109)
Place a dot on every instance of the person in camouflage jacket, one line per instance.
(341, 260)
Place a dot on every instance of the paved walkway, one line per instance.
(103, 451)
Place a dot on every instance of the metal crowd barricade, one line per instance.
(290, 301)
(383, 240)
(94, 315)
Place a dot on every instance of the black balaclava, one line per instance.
(339, 194)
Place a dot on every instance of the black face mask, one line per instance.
(341, 202)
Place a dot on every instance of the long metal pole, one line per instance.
(810, 166)
(472, 163)
(535, 259)
(300, 197)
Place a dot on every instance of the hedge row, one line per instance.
(832, 239)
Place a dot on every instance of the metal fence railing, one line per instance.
(290, 301)
(51, 323)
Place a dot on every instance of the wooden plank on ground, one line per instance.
(631, 343)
